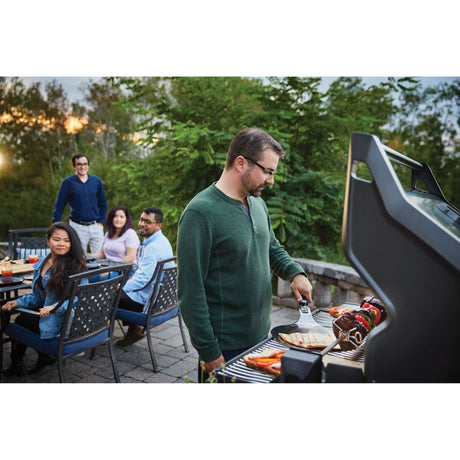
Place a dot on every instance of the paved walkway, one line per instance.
(134, 363)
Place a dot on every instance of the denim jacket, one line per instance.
(50, 326)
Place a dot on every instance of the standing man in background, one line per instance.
(88, 204)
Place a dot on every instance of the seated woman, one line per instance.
(48, 289)
(121, 240)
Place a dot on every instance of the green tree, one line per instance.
(187, 125)
(108, 138)
(426, 128)
(36, 145)
(159, 141)
(33, 139)
(304, 203)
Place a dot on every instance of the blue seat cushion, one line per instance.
(22, 253)
(141, 319)
(50, 347)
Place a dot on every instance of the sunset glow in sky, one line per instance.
(72, 124)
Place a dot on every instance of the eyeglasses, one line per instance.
(265, 170)
(81, 164)
(148, 222)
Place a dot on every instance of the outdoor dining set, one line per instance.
(91, 320)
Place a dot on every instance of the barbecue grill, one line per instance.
(406, 246)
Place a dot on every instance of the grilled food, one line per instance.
(338, 311)
(308, 340)
(377, 303)
(268, 360)
(360, 322)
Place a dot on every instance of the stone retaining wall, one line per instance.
(333, 284)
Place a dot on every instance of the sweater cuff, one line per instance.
(209, 354)
(294, 270)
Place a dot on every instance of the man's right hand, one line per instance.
(211, 365)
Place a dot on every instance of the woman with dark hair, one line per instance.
(121, 240)
(48, 289)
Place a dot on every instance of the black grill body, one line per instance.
(406, 245)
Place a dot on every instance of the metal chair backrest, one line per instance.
(163, 288)
(158, 269)
(25, 241)
(164, 298)
(94, 304)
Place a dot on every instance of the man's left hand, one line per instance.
(301, 286)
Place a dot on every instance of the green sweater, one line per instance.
(224, 262)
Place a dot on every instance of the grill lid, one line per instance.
(406, 245)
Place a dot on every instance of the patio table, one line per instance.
(21, 271)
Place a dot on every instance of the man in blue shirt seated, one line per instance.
(88, 204)
(154, 248)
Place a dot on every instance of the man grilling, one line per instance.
(227, 251)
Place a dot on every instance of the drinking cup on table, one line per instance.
(33, 258)
(7, 271)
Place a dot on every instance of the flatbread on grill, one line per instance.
(308, 339)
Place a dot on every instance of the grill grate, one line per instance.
(236, 369)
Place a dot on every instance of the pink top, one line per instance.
(115, 250)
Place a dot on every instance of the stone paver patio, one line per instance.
(134, 363)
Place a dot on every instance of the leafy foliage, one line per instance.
(159, 141)
(33, 140)
(427, 129)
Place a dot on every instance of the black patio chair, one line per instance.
(26, 241)
(160, 307)
(87, 324)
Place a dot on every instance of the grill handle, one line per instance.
(403, 159)
(420, 172)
